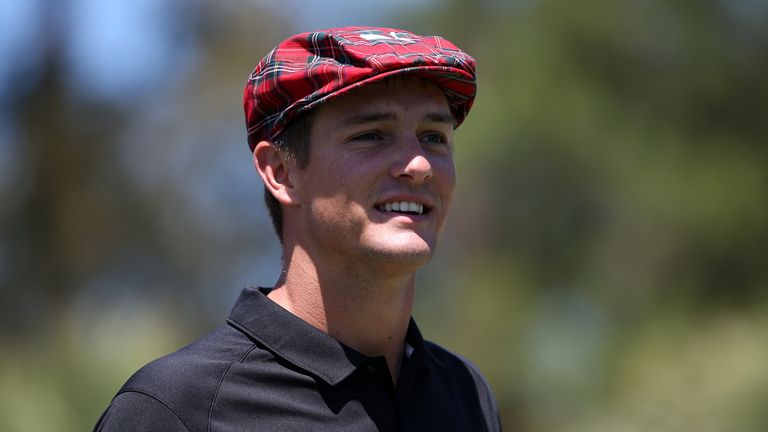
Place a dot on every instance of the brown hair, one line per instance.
(293, 141)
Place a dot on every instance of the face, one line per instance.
(380, 175)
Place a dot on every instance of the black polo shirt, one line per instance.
(268, 370)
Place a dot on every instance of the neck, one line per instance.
(366, 310)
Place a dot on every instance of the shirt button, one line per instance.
(371, 369)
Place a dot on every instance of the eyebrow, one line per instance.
(358, 119)
(435, 117)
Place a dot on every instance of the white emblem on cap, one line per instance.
(380, 36)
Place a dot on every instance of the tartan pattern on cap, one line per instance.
(310, 68)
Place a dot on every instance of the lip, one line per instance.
(427, 202)
(403, 218)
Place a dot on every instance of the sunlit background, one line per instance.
(605, 264)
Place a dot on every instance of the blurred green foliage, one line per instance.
(604, 264)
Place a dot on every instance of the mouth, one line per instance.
(403, 207)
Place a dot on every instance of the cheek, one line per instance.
(335, 194)
(352, 179)
(445, 174)
(323, 180)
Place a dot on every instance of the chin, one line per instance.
(411, 253)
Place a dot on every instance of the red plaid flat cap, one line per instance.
(309, 69)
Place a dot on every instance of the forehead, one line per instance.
(403, 95)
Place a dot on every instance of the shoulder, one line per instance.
(181, 385)
(458, 367)
(139, 412)
(197, 367)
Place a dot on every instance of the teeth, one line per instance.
(403, 206)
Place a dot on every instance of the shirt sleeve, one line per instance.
(138, 412)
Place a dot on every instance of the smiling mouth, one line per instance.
(403, 207)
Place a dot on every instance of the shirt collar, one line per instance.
(297, 341)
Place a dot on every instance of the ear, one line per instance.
(275, 170)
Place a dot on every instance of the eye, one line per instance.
(367, 136)
(435, 139)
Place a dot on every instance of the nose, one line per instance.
(413, 165)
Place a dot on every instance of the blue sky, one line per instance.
(103, 41)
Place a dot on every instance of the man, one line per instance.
(352, 134)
